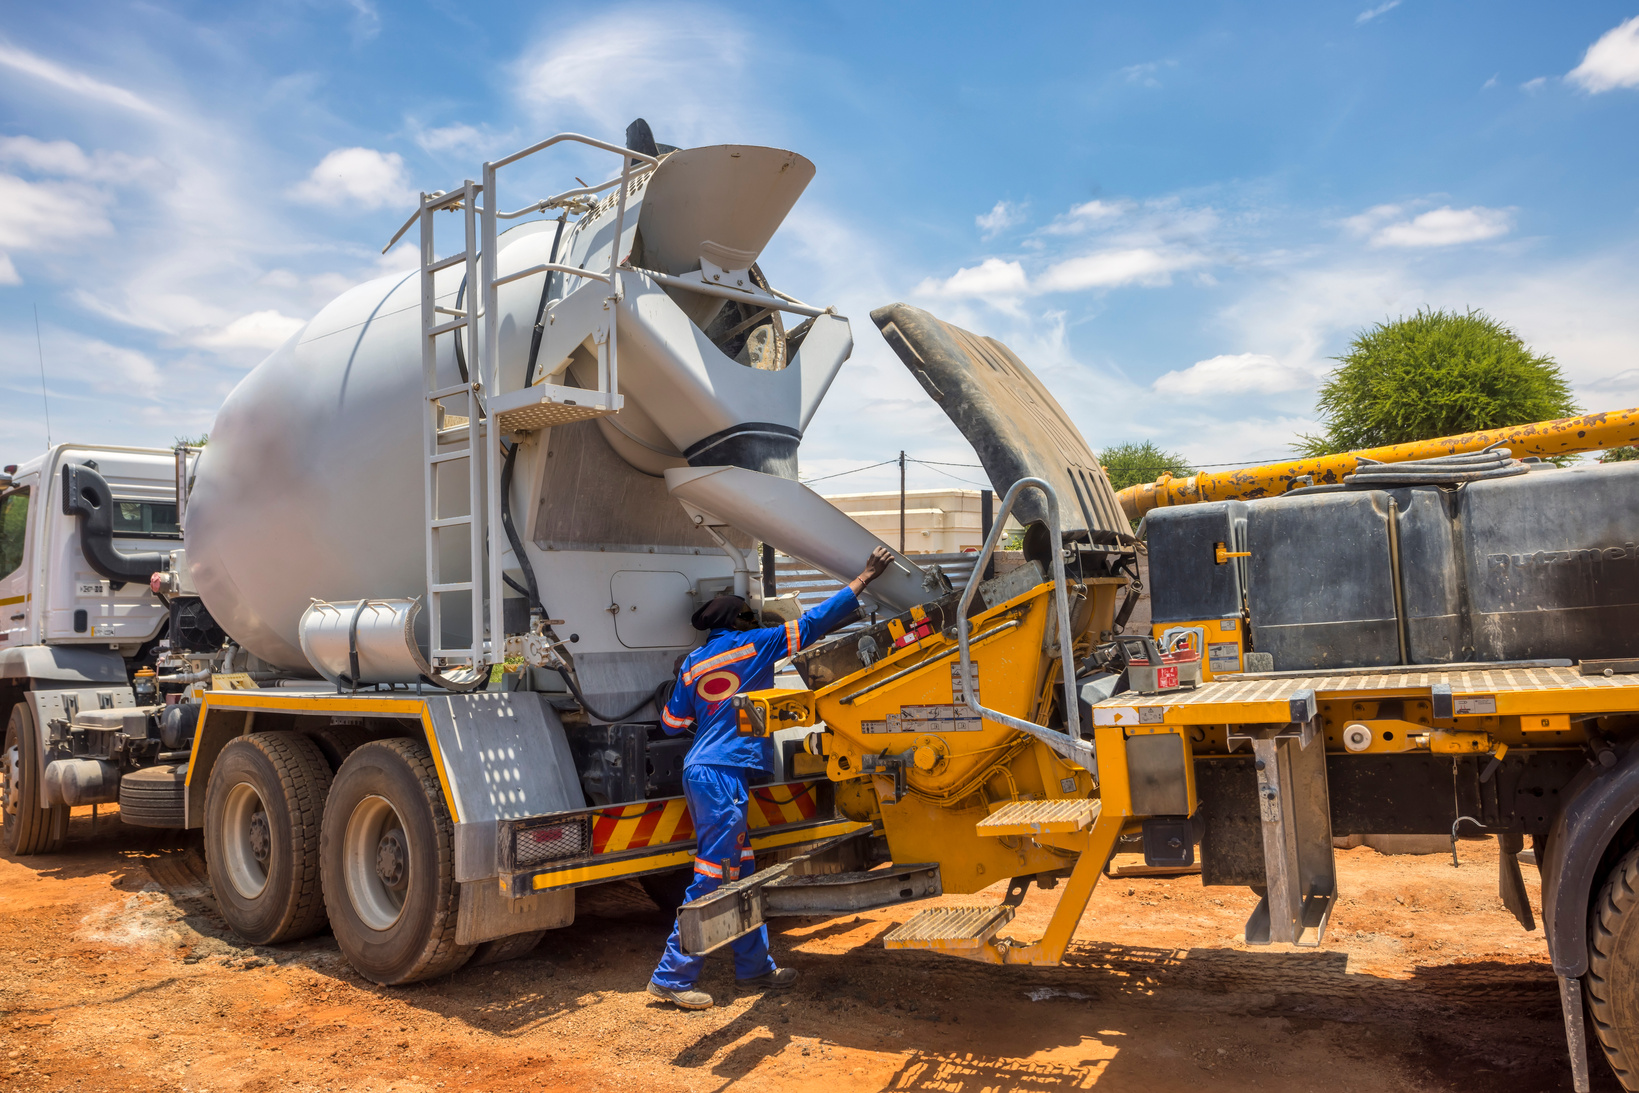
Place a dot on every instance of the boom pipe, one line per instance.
(1545, 439)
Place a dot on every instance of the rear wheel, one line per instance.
(337, 742)
(388, 857)
(668, 889)
(1613, 969)
(506, 948)
(263, 810)
(29, 829)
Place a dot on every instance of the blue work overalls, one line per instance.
(721, 762)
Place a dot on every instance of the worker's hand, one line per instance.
(881, 558)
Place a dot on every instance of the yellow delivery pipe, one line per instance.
(1613, 429)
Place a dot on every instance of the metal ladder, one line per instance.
(475, 502)
(446, 495)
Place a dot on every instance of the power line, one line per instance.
(855, 470)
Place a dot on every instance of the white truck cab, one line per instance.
(49, 593)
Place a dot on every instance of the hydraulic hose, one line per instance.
(540, 311)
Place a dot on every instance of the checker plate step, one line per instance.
(949, 927)
(1061, 817)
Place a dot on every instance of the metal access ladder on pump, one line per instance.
(464, 423)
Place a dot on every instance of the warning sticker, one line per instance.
(930, 719)
(1151, 715)
(1475, 704)
(1224, 656)
(956, 681)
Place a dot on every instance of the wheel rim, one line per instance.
(11, 791)
(376, 862)
(246, 841)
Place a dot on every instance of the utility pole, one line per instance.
(901, 502)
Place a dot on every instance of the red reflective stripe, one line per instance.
(793, 638)
(743, 652)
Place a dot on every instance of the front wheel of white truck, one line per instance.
(388, 858)
(26, 827)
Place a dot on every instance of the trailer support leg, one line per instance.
(1294, 806)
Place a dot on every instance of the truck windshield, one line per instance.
(13, 529)
(145, 520)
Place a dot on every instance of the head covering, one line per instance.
(719, 614)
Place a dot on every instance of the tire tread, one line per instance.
(1618, 899)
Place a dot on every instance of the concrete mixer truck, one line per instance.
(393, 638)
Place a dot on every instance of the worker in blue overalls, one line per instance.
(722, 762)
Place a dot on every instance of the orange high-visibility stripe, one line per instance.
(733, 656)
(675, 722)
(793, 638)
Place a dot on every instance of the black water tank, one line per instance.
(1186, 582)
(1552, 563)
(1320, 588)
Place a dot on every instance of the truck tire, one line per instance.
(506, 948)
(29, 829)
(337, 742)
(263, 810)
(1613, 969)
(388, 858)
(668, 889)
(155, 796)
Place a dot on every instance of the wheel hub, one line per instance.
(11, 791)
(391, 858)
(261, 838)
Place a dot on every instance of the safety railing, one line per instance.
(1069, 745)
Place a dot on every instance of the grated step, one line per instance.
(1059, 817)
(949, 927)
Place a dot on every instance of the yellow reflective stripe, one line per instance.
(9, 600)
(335, 704)
(669, 819)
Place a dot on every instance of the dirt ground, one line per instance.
(116, 973)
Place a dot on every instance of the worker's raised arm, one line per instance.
(819, 621)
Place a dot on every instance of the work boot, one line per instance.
(778, 979)
(683, 1000)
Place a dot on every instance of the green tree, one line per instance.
(1620, 455)
(1131, 463)
(194, 441)
(1437, 373)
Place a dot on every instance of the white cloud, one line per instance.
(991, 279)
(8, 272)
(1142, 74)
(1372, 13)
(38, 216)
(681, 58)
(356, 176)
(258, 330)
(1389, 226)
(1110, 268)
(451, 138)
(1004, 215)
(1234, 374)
(1087, 215)
(50, 72)
(1534, 85)
(1611, 62)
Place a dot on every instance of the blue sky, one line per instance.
(1176, 214)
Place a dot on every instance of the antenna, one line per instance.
(40, 345)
